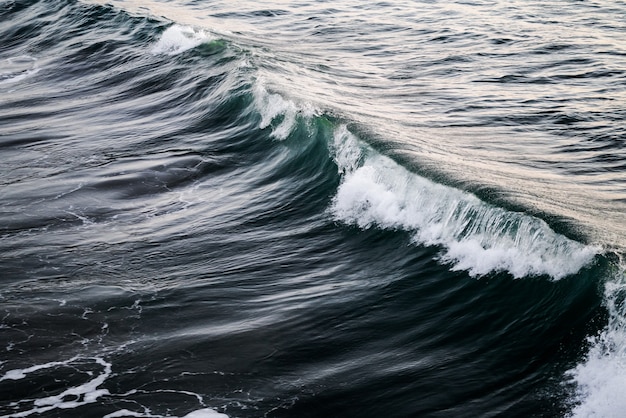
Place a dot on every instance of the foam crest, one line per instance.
(177, 39)
(278, 113)
(601, 378)
(474, 236)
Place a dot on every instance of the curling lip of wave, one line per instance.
(475, 236)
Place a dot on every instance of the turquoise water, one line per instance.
(312, 209)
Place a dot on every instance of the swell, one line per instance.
(177, 117)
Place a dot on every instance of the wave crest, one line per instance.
(475, 236)
(177, 39)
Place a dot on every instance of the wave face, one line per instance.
(214, 210)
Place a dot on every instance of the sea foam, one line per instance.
(474, 236)
(601, 378)
(278, 113)
(178, 38)
(199, 413)
(88, 392)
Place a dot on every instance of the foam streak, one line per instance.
(73, 397)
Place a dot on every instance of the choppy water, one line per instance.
(312, 208)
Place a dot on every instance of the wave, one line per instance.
(278, 113)
(376, 191)
(475, 236)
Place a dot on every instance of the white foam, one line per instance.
(89, 392)
(14, 78)
(18, 374)
(200, 413)
(73, 397)
(278, 112)
(475, 236)
(177, 39)
(601, 378)
(205, 413)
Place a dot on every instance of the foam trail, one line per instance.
(200, 413)
(177, 39)
(601, 378)
(86, 393)
(126, 413)
(475, 236)
(73, 397)
(18, 374)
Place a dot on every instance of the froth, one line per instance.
(15, 69)
(177, 39)
(278, 113)
(474, 236)
(88, 392)
(205, 413)
(200, 413)
(72, 397)
(601, 378)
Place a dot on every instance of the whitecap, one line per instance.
(600, 378)
(278, 113)
(474, 236)
(178, 38)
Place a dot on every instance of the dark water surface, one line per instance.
(312, 209)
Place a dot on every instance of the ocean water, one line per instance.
(312, 209)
